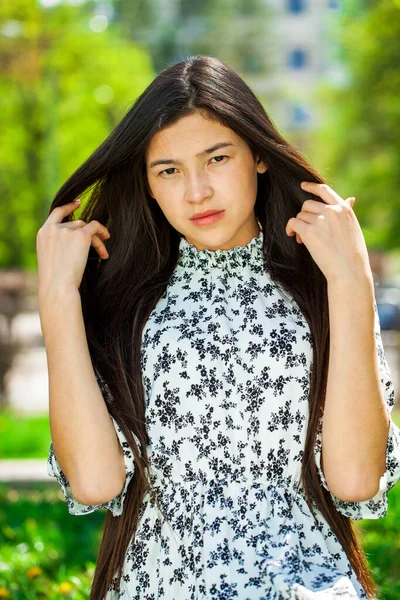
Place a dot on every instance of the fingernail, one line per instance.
(77, 201)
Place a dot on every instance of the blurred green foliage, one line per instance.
(24, 436)
(66, 81)
(380, 539)
(63, 87)
(45, 552)
(229, 29)
(358, 140)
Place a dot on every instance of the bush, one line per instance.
(45, 552)
(381, 541)
(24, 436)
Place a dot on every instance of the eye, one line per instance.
(220, 156)
(165, 171)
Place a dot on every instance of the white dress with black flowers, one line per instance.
(226, 357)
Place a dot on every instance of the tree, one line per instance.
(233, 30)
(360, 138)
(66, 80)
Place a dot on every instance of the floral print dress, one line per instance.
(226, 357)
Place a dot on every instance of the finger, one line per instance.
(312, 206)
(322, 190)
(79, 223)
(75, 224)
(98, 232)
(307, 217)
(60, 212)
(296, 226)
(302, 216)
(99, 246)
(97, 238)
(96, 228)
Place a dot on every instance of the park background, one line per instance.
(327, 73)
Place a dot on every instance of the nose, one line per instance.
(198, 187)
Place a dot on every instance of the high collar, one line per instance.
(238, 256)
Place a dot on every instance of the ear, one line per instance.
(261, 166)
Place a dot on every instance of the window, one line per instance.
(297, 59)
(299, 115)
(296, 6)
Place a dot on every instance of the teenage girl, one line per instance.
(217, 379)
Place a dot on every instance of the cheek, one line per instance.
(240, 171)
(241, 180)
(163, 188)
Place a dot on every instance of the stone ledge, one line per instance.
(13, 470)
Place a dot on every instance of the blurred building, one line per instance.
(305, 52)
(282, 48)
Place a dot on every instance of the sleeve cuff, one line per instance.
(116, 504)
(375, 507)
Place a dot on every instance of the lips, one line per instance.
(206, 213)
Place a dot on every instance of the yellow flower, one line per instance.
(4, 593)
(34, 572)
(65, 588)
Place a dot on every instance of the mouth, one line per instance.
(208, 217)
(206, 213)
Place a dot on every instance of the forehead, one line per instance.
(191, 134)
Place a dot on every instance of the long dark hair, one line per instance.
(119, 293)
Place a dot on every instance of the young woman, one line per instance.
(192, 359)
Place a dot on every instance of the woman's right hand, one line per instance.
(63, 248)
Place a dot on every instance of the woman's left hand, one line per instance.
(332, 234)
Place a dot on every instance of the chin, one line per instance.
(212, 240)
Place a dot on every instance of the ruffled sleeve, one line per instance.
(375, 507)
(116, 504)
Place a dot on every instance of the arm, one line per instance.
(355, 421)
(83, 436)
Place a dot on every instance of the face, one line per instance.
(203, 165)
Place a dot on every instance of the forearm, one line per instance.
(83, 436)
(355, 423)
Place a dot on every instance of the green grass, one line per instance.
(36, 530)
(380, 539)
(24, 437)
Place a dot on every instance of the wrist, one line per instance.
(360, 282)
(356, 291)
(57, 304)
(58, 295)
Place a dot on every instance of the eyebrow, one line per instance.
(171, 161)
